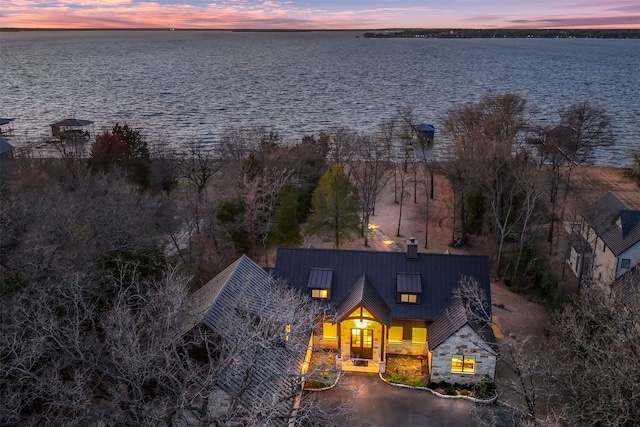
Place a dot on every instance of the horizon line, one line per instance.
(311, 29)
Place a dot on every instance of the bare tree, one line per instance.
(370, 172)
(599, 333)
(342, 145)
(259, 193)
(198, 164)
(583, 127)
(525, 377)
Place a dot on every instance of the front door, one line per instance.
(362, 343)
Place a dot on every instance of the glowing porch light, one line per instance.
(361, 323)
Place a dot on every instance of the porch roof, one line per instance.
(364, 294)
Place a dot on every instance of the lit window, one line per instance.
(625, 263)
(419, 335)
(395, 334)
(320, 293)
(287, 331)
(410, 298)
(361, 312)
(330, 330)
(461, 363)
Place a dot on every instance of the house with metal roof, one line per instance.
(606, 243)
(7, 162)
(375, 304)
(261, 347)
(6, 127)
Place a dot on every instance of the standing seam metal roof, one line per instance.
(216, 305)
(5, 146)
(451, 319)
(448, 322)
(363, 293)
(410, 283)
(439, 275)
(320, 278)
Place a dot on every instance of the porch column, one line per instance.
(339, 339)
(383, 339)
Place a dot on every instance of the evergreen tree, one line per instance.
(336, 207)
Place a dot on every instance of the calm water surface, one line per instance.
(181, 85)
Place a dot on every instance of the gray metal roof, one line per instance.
(242, 289)
(364, 294)
(409, 283)
(72, 123)
(451, 319)
(320, 278)
(629, 220)
(448, 322)
(5, 146)
(439, 275)
(423, 127)
(603, 216)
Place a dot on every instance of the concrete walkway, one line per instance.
(374, 403)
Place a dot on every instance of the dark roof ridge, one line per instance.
(388, 253)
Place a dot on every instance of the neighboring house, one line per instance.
(6, 127)
(606, 243)
(262, 370)
(7, 162)
(381, 303)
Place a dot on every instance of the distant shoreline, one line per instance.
(447, 33)
(461, 33)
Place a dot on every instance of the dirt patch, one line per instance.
(594, 182)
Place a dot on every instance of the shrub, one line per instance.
(486, 388)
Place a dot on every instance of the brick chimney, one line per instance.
(412, 248)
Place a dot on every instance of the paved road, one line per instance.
(377, 404)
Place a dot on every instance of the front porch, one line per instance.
(360, 365)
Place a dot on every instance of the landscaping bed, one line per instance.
(407, 370)
(414, 371)
(324, 373)
(486, 389)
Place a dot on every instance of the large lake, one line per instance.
(182, 85)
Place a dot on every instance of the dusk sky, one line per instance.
(320, 14)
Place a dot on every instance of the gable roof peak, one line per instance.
(363, 293)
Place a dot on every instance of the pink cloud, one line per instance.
(270, 14)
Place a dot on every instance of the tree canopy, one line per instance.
(336, 207)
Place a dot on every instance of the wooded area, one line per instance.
(98, 259)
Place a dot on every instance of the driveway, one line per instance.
(375, 403)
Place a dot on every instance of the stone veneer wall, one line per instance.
(406, 347)
(466, 341)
